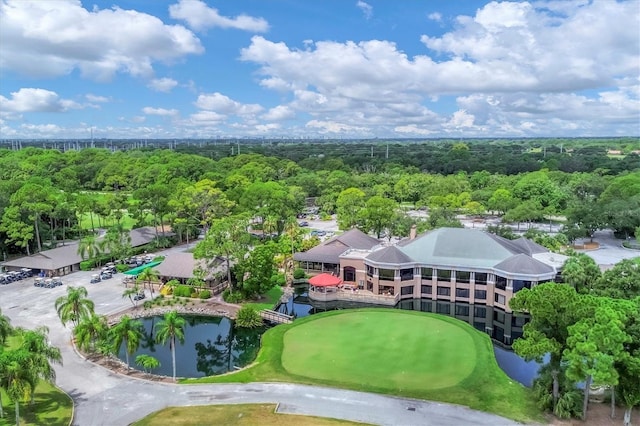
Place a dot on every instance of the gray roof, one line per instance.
(529, 247)
(330, 250)
(56, 258)
(146, 234)
(522, 264)
(392, 255)
(182, 265)
(459, 247)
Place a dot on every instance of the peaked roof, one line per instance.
(459, 246)
(325, 280)
(56, 258)
(330, 250)
(182, 265)
(523, 264)
(391, 254)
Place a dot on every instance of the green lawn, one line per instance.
(367, 348)
(268, 300)
(233, 415)
(404, 353)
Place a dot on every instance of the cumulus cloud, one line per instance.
(366, 9)
(222, 104)
(200, 17)
(52, 38)
(278, 113)
(164, 85)
(96, 98)
(435, 16)
(162, 112)
(36, 100)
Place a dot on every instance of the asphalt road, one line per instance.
(105, 398)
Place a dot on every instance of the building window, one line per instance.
(443, 308)
(480, 294)
(406, 274)
(463, 277)
(426, 273)
(406, 290)
(481, 278)
(426, 289)
(462, 310)
(444, 291)
(498, 316)
(520, 284)
(349, 273)
(462, 292)
(479, 312)
(425, 306)
(499, 298)
(444, 275)
(370, 271)
(501, 282)
(386, 274)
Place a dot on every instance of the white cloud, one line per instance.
(200, 17)
(52, 38)
(164, 85)
(162, 112)
(36, 100)
(366, 9)
(96, 98)
(222, 104)
(207, 117)
(278, 113)
(435, 16)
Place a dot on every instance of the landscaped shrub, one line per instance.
(205, 294)
(248, 317)
(231, 297)
(158, 259)
(121, 267)
(298, 274)
(86, 265)
(278, 280)
(194, 295)
(182, 291)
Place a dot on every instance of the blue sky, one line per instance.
(318, 68)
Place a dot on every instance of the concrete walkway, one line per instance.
(103, 397)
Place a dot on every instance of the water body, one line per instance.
(502, 327)
(212, 346)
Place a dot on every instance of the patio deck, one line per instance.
(362, 296)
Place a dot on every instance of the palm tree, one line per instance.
(41, 355)
(74, 306)
(14, 377)
(90, 331)
(171, 328)
(131, 293)
(146, 276)
(89, 247)
(147, 362)
(5, 328)
(129, 332)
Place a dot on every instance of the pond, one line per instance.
(502, 327)
(212, 346)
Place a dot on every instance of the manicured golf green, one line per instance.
(387, 349)
(391, 351)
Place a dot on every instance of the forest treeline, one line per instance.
(45, 193)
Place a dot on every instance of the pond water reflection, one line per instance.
(212, 346)
(502, 327)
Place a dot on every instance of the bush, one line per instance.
(87, 265)
(194, 295)
(278, 280)
(298, 274)
(121, 267)
(248, 317)
(231, 297)
(182, 291)
(205, 294)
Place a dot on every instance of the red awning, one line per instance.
(325, 280)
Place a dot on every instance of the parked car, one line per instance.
(38, 282)
(48, 283)
(57, 281)
(105, 274)
(139, 296)
(95, 278)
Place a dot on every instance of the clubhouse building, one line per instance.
(446, 264)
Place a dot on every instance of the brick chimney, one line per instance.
(412, 232)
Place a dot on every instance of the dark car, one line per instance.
(139, 296)
(303, 223)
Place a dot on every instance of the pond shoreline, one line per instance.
(210, 307)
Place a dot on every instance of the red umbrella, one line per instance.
(325, 280)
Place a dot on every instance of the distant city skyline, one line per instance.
(192, 69)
